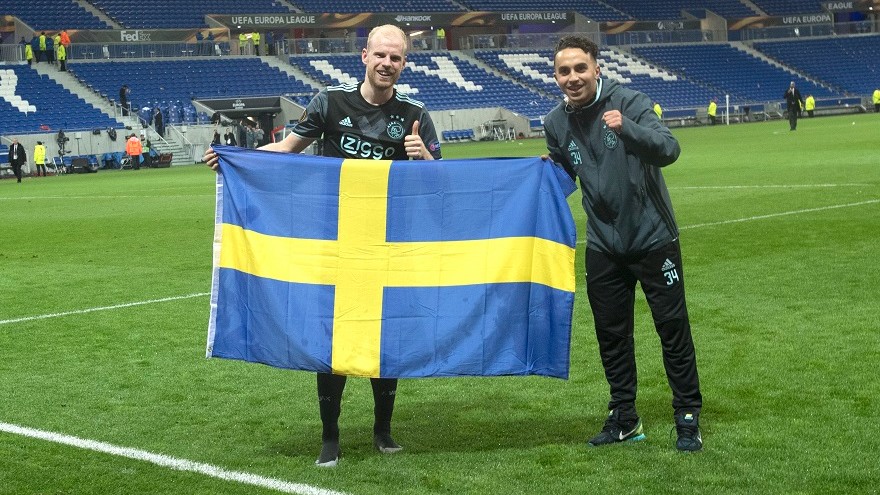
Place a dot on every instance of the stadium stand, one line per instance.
(166, 14)
(30, 102)
(172, 84)
(535, 68)
(52, 15)
(788, 7)
(595, 10)
(658, 10)
(342, 6)
(849, 64)
(502, 66)
(441, 80)
(745, 77)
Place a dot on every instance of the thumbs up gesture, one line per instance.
(415, 147)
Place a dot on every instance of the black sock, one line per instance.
(384, 392)
(330, 388)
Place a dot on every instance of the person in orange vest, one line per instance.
(134, 149)
(65, 39)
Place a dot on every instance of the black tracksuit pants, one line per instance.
(611, 282)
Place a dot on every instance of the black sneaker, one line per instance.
(617, 430)
(687, 426)
(330, 455)
(385, 444)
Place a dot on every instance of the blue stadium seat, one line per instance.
(730, 71)
(180, 14)
(173, 82)
(44, 105)
(849, 64)
(440, 80)
(52, 16)
(658, 10)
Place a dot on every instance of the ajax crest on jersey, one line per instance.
(394, 130)
(610, 139)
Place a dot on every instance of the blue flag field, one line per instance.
(395, 269)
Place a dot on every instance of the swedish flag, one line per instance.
(393, 268)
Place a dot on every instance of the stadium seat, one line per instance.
(30, 102)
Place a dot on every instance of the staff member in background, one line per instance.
(40, 159)
(713, 110)
(658, 110)
(607, 136)
(148, 160)
(123, 98)
(256, 37)
(270, 43)
(159, 122)
(134, 150)
(29, 53)
(43, 46)
(810, 105)
(56, 42)
(61, 52)
(65, 38)
(877, 100)
(793, 102)
(441, 39)
(229, 138)
(17, 158)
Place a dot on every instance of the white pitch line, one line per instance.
(774, 186)
(770, 215)
(781, 214)
(102, 308)
(127, 196)
(169, 462)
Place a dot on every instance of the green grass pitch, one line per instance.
(779, 236)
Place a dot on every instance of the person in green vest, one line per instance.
(441, 39)
(810, 105)
(62, 57)
(658, 110)
(28, 53)
(242, 44)
(256, 38)
(40, 159)
(56, 42)
(877, 100)
(41, 53)
(713, 110)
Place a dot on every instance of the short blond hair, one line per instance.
(385, 29)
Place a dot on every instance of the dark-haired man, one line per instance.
(793, 103)
(610, 138)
